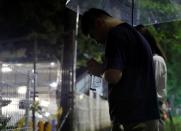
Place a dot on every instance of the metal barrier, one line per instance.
(14, 100)
(18, 79)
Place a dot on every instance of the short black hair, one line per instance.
(89, 17)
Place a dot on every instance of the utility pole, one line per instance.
(68, 71)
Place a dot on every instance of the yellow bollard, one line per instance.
(40, 126)
(47, 126)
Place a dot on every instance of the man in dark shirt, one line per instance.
(128, 69)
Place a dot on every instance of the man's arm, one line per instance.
(95, 68)
(112, 76)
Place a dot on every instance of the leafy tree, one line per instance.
(169, 36)
(19, 18)
(88, 48)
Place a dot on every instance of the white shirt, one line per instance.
(160, 76)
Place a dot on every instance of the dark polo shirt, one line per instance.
(133, 98)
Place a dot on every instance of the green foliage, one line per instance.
(173, 125)
(161, 10)
(33, 19)
(88, 48)
(19, 18)
(169, 36)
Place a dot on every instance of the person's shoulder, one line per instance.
(119, 29)
(158, 58)
(122, 25)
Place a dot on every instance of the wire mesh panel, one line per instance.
(26, 91)
(15, 98)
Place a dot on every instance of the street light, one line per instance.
(6, 69)
(54, 85)
(22, 90)
(52, 64)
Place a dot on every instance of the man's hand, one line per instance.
(94, 68)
